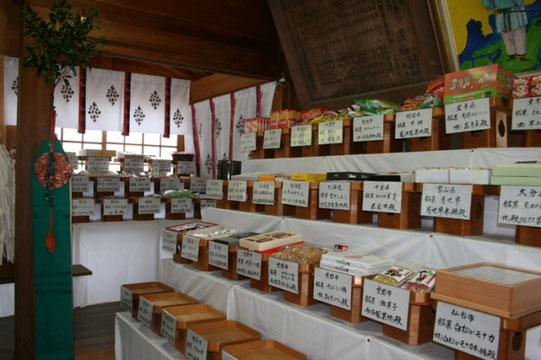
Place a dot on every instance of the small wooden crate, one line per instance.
(144, 288)
(188, 315)
(389, 143)
(353, 315)
(224, 203)
(315, 149)
(80, 219)
(101, 194)
(248, 205)
(136, 215)
(531, 138)
(279, 209)
(285, 150)
(170, 215)
(355, 214)
(497, 135)
(223, 333)
(312, 211)
(163, 300)
(263, 283)
(305, 296)
(231, 272)
(176, 256)
(410, 217)
(263, 350)
(528, 235)
(202, 264)
(347, 146)
(259, 152)
(109, 218)
(439, 140)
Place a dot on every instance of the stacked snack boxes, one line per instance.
(256, 124)
(284, 118)
(308, 115)
(529, 86)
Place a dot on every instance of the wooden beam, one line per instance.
(10, 24)
(219, 84)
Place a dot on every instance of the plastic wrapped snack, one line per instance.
(422, 282)
(394, 276)
(374, 104)
(300, 253)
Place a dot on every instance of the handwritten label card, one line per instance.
(447, 201)
(470, 331)
(332, 288)
(526, 114)
(334, 195)
(205, 203)
(74, 161)
(80, 183)
(520, 205)
(295, 193)
(149, 205)
(98, 163)
(263, 193)
(248, 142)
(82, 207)
(196, 346)
(301, 135)
(413, 124)
(115, 207)
(272, 139)
(236, 191)
(169, 327)
(169, 241)
(368, 128)
(190, 248)
(198, 185)
(386, 304)
(382, 196)
(108, 184)
(219, 255)
(186, 167)
(161, 166)
(126, 298)
(330, 132)
(215, 189)
(284, 275)
(144, 314)
(181, 205)
(170, 184)
(135, 165)
(467, 116)
(139, 184)
(249, 264)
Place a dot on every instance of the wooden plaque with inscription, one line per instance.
(338, 50)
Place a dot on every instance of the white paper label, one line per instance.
(198, 185)
(169, 327)
(248, 142)
(161, 166)
(149, 205)
(82, 207)
(219, 255)
(108, 184)
(333, 288)
(520, 205)
(413, 124)
(115, 207)
(272, 139)
(368, 128)
(190, 248)
(146, 308)
(186, 167)
(205, 203)
(469, 331)
(169, 241)
(126, 298)
(526, 114)
(170, 184)
(295, 193)
(215, 189)
(135, 165)
(139, 184)
(236, 191)
(263, 193)
(196, 346)
(249, 264)
(79, 183)
(334, 195)
(330, 132)
(301, 135)
(467, 116)
(98, 163)
(382, 196)
(386, 304)
(447, 201)
(74, 162)
(181, 205)
(284, 275)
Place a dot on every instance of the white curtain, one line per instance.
(66, 102)
(222, 113)
(245, 108)
(11, 89)
(267, 96)
(203, 122)
(104, 100)
(181, 113)
(147, 104)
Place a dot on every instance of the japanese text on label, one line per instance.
(181, 205)
(236, 191)
(447, 201)
(161, 166)
(381, 196)
(263, 193)
(334, 195)
(135, 165)
(248, 142)
(98, 163)
(196, 346)
(74, 161)
(249, 264)
(368, 128)
(115, 207)
(295, 193)
(190, 248)
(215, 189)
(169, 241)
(139, 184)
(526, 114)
(520, 205)
(126, 298)
(186, 167)
(198, 185)
(386, 304)
(149, 205)
(219, 255)
(207, 204)
(467, 116)
(82, 207)
(144, 314)
(169, 327)
(284, 275)
(79, 183)
(413, 124)
(108, 184)
(170, 184)
(301, 135)
(332, 288)
(272, 139)
(330, 132)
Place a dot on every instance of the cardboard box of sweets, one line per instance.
(270, 240)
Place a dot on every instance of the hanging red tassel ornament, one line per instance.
(50, 241)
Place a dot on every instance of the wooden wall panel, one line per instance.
(219, 84)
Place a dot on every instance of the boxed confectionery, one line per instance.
(526, 174)
(469, 176)
(528, 86)
(432, 175)
(308, 177)
(256, 124)
(477, 83)
(271, 240)
(309, 115)
(349, 175)
(354, 263)
(234, 240)
(92, 152)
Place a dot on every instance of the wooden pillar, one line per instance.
(3, 129)
(32, 128)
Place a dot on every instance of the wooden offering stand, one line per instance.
(170, 215)
(136, 215)
(263, 283)
(231, 272)
(248, 205)
(497, 135)
(202, 263)
(439, 140)
(312, 211)
(285, 150)
(176, 256)
(161, 301)
(139, 289)
(355, 214)
(259, 152)
(353, 315)
(305, 296)
(410, 217)
(528, 235)
(347, 146)
(80, 219)
(108, 218)
(100, 194)
(389, 143)
(224, 203)
(315, 149)
(263, 349)
(196, 208)
(279, 209)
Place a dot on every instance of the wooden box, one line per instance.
(108, 218)
(263, 283)
(279, 209)
(224, 203)
(202, 264)
(355, 214)
(285, 150)
(101, 194)
(136, 215)
(163, 300)
(263, 350)
(188, 315)
(439, 140)
(80, 219)
(182, 229)
(389, 143)
(305, 296)
(259, 152)
(248, 205)
(231, 272)
(353, 315)
(497, 135)
(347, 146)
(410, 217)
(531, 138)
(528, 235)
(170, 215)
(223, 333)
(312, 211)
(138, 289)
(315, 149)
